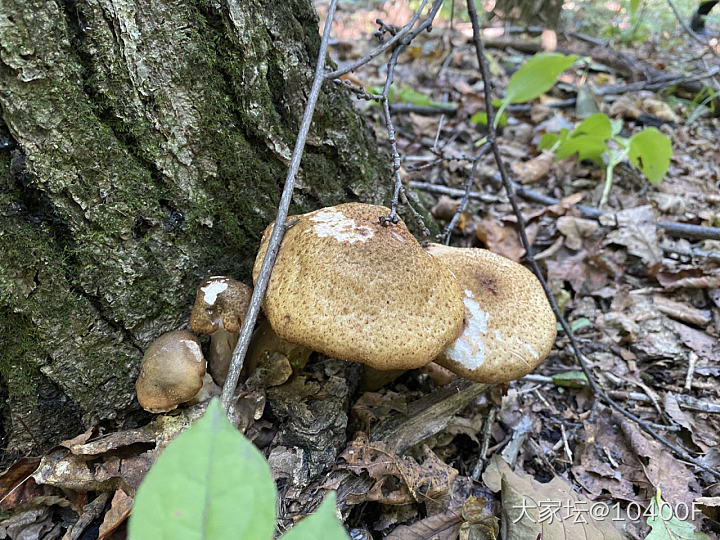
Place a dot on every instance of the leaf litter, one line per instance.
(645, 305)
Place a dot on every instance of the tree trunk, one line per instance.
(144, 148)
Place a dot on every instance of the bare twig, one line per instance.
(466, 196)
(380, 49)
(276, 237)
(510, 190)
(672, 228)
(692, 361)
(485, 443)
(393, 217)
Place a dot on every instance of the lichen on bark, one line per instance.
(147, 144)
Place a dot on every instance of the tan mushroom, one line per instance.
(347, 286)
(220, 307)
(172, 372)
(509, 326)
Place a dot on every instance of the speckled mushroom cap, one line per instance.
(509, 326)
(172, 372)
(351, 288)
(220, 301)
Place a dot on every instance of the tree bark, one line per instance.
(144, 148)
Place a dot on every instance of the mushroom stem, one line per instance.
(222, 344)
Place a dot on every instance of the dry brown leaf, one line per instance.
(102, 465)
(635, 228)
(17, 485)
(534, 169)
(551, 510)
(120, 508)
(499, 239)
(575, 229)
(577, 270)
(398, 479)
(695, 278)
(682, 311)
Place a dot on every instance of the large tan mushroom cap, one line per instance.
(220, 302)
(346, 286)
(509, 326)
(172, 372)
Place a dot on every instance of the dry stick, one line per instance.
(236, 363)
(672, 228)
(466, 196)
(393, 217)
(477, 37)
(382, 48)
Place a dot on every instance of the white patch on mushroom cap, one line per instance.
(469, 349)
(341, 228)
(212, 290)
(194, 349)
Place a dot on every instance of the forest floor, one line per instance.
(421, 457)
(644, 302)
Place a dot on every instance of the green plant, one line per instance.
(212, 483)
(666, 525)
(534, 78)
(597, 139)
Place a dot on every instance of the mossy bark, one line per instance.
(144, 147)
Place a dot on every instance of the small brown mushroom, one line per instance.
(172, 372)
(220, 307)
(346, 285)
(509, 326)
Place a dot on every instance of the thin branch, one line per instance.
(276, 237)
(466, 196)
(510, 190)
(673, 228)
(381, 49)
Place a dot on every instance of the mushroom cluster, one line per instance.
(347, 285)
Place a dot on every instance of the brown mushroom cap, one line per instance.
(220, 302)
(509, 326)
(171, 373)
(351, 288)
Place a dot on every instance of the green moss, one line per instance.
(19, 354)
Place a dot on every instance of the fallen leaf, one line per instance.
(397, 479)
(534, 169)
(552, 510)
(17, 485)
(636, 229)
(575, 229)
(120, 508)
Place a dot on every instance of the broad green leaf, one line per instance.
(571, 379)
(634, 5)
(597, 125)
(548, 140)
(585, 146)
(209, 483)
(650, 151)
(322, 524)
(536, 77)
(665, 526)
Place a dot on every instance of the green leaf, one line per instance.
(597, 125)
(322, 524)
(650, 151)
(481, 118)
(548, 140)
(210, 482)
(536, 77)
(571, 379)
(634, 5)
(665, 526)
(585, 146)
